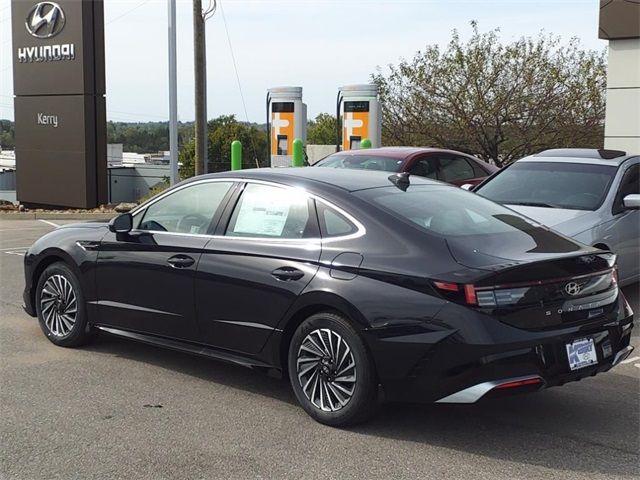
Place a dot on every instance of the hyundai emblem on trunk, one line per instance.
(572, 288)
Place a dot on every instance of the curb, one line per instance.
(56, 216)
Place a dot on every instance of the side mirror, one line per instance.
(121, 224)
(467, 186)
(631, 201)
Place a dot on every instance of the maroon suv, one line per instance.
(445, 165)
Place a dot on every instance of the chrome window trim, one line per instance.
(360, 229)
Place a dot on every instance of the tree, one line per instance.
(322, 130)
(7, 134)
(497, 101)
(222, 131)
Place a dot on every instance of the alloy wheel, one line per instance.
(326, 370)
(58, 305)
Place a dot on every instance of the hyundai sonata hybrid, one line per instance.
(356, 285)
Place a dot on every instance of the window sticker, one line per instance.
(262, 216)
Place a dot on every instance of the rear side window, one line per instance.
(333, 223)
(265, 211)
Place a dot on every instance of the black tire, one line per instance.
(330, 410)
(56, 325)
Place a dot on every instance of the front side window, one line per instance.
(455, 169)
(426, 168)
(188, 210)
(629, 185)
(574, 186)
(264, 211)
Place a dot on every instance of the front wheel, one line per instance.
(331, 371)
(60, 306)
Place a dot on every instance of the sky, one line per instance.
(317, 44)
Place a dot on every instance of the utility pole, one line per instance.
(200, 18)
(173, 94)
(200, 76)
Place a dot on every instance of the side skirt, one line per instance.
(188, 348)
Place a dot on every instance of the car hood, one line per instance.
(88, 224)
(568, 222)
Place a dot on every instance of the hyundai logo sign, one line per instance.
(45, 20)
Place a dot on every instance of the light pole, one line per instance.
(173, 95)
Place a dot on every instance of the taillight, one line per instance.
(449, 287)
(470, 295)
(457, 292)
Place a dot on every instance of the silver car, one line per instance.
(590, 195)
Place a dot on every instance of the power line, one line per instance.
(235, 68)
(127, 12)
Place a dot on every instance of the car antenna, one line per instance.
(400, 180)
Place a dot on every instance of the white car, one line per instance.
(592, 196)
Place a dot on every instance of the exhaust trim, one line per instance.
(476, 392)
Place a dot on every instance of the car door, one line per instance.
(255, 267)
(145, 278)
(626, 226)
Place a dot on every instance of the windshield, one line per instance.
(468, 220)
(361, 162)
(573, 186)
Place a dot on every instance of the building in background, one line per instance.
(620, 24)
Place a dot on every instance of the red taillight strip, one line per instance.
(545, 282)
(470, 294)
(519, 383)
(450, 287)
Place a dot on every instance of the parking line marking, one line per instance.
(630, 360)
(14, 248)
(49, 223)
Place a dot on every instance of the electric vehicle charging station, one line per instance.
(359, 109)
(286, 121)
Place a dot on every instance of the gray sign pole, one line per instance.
(173, 95)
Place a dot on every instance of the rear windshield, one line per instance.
(361, 162)
(446, 211)
(467, 219)
(573, 186)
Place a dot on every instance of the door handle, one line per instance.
(181, 261)
(287, 273)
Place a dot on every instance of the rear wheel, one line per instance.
(60, 306)
(331, 371)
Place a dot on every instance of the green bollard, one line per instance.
(298, 153)
(236, 155)
(366, 143)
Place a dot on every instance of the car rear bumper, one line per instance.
(455, 369)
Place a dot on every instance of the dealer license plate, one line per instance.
(581, 353)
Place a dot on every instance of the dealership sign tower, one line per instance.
(60, 118)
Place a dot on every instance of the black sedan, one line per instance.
(356, 285)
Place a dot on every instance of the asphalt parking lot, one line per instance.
(118, 409)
